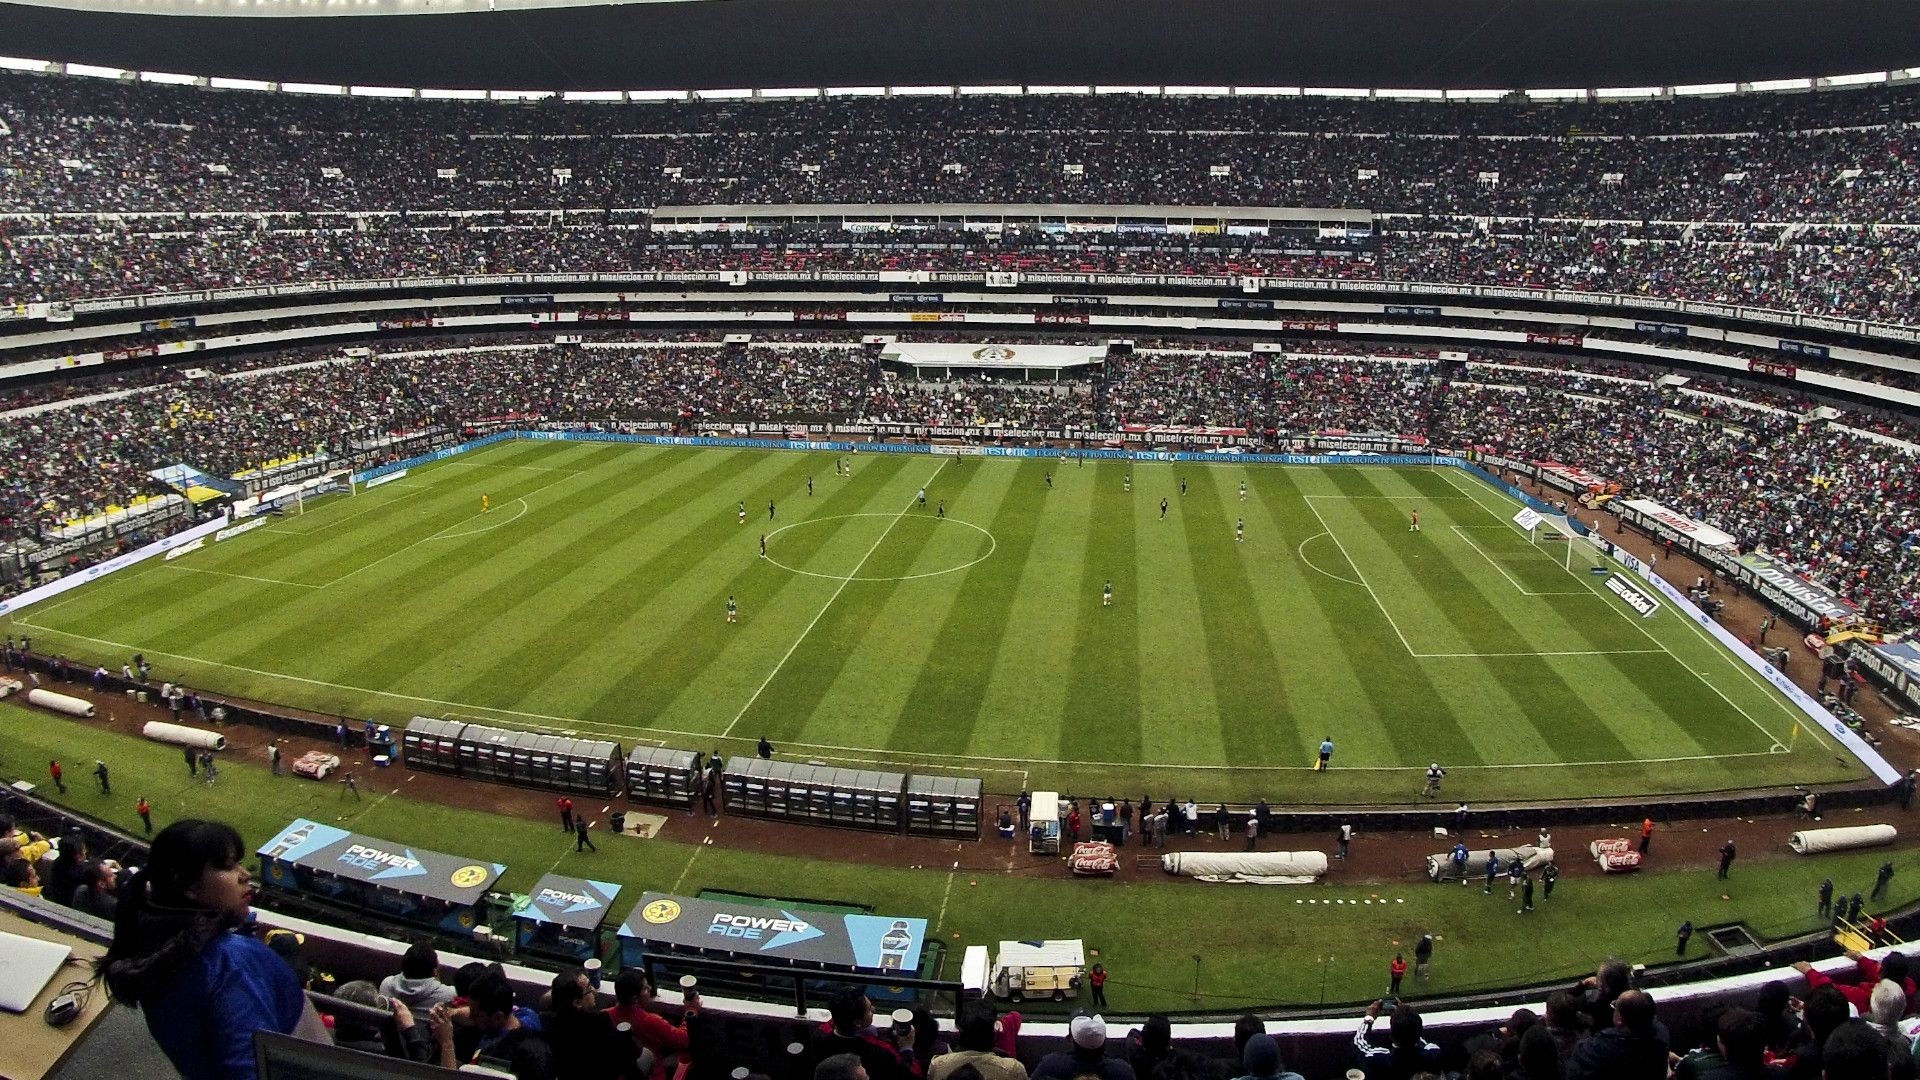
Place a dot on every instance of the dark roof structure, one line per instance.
(1444, 44)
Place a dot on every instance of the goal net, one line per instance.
(1568, 547)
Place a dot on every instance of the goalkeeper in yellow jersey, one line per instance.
(486, 503)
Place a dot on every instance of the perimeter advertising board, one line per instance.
(752, 932)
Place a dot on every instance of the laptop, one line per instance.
(26, 966)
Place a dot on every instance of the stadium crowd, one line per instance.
(1843, 504)
(1789, 201)
(186, 955)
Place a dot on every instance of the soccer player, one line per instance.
(1243, 491)
(1163, 509)
(943, 508)
(1434, 775)
(1326, 754)
(763, 545)
(486, 503)
(1415, 527)
(1050, 479)
(923, 498)
(809, 487)
(1183, 485)
(1239, 530)
(1126, 482)
(769, 509)
(733, 610)
(1106, 596)
(743, 513)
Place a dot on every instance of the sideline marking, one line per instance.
(1634, 621)
(242, 577)
(992, 546)
(1461, 531)
(795, 647)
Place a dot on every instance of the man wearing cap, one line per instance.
(1262, 1060)
(1085, 1054)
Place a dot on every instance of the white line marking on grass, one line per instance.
(1634, 621)
(1301, 551)
(1363, 578)
(379, 505)
(969, 761)
(437, 535)
(940, 920)
(1460, 531)
(685, 870)
(1357, 498)
(791, 649)
(242, 577)
(992, 546)
(1547, 652)
(484, 528)
(501, 465)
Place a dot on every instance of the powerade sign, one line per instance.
(567, 901)
(845, 941)
(1634, 598)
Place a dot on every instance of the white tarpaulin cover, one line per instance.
(1815, 841)
(936, 354)
(1253, 867)
(1440, 867)
(65, 703)
(181, 735)
(1680, 524)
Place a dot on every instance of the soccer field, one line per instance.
(592, 597)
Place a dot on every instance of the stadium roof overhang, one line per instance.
(692, 44)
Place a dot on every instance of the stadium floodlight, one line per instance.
(454, 95)
(1148, 91)
(1058, 90)
(1781, 84)
(94, 71)
(219, 82)
(381, 91)
(593, 95)
(734, 94)
(1201, 91)
(659, 95)
(788, 92)
(1476, 95)
(998, 88)
(21, 63)
(1411, 95)
(1336, 91)
(1703, 89)
(1858, 79)
(922, 91)
(170, 78)
(1614, 92)
(1563, 94)
(856, 91)
(313, 88)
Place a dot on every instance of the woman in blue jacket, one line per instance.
(181, 955)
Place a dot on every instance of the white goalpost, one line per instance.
(1554, 534)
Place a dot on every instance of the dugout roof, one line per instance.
(416, 871)
(773, 43)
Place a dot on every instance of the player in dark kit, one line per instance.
(1163, 509)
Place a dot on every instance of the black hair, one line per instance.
(567, 988)
(848, 1008)
(630, 986)
(532, 1059)
(468, 974)
(1246, 1028)
(846, 1067)
(1895, 967)
(15, 873)
(1854, 1049)
(1825, 1009)
(156, 927)
(420, 962)
(1406, 1028)
(1743, 1038)
(1539, 1054)
(974, 1027)
(491, 993)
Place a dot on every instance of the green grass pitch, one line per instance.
(591, 597)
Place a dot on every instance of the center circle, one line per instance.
(992, 545)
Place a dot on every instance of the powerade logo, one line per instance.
(569, 902)
(382, 864)
(783, 932)
(1633, 597)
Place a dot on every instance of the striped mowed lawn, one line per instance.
(591, 597)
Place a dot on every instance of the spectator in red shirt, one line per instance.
(633, 999)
